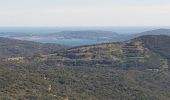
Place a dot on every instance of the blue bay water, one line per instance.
(70, 42)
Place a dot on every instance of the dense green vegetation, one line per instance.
(131, 70)
(134, 54)
(84, 83)
(158, 44)
(11, 47)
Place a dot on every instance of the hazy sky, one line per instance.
(84, 12)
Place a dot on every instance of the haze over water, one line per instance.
(46, 30)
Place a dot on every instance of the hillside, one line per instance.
(83, 83)
(157, 32)
(150, 32)
(136, 53)
(11, 47)
(133, 70)
(159, 44)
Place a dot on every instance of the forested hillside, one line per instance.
(11, 47)
(137, 69)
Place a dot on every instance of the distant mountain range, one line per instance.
(92, 36)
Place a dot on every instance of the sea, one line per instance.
(72, 42)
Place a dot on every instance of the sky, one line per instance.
(84, 13)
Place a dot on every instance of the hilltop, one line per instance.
(12, 47)
(137, 53)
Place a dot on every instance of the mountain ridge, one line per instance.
(12, 47)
